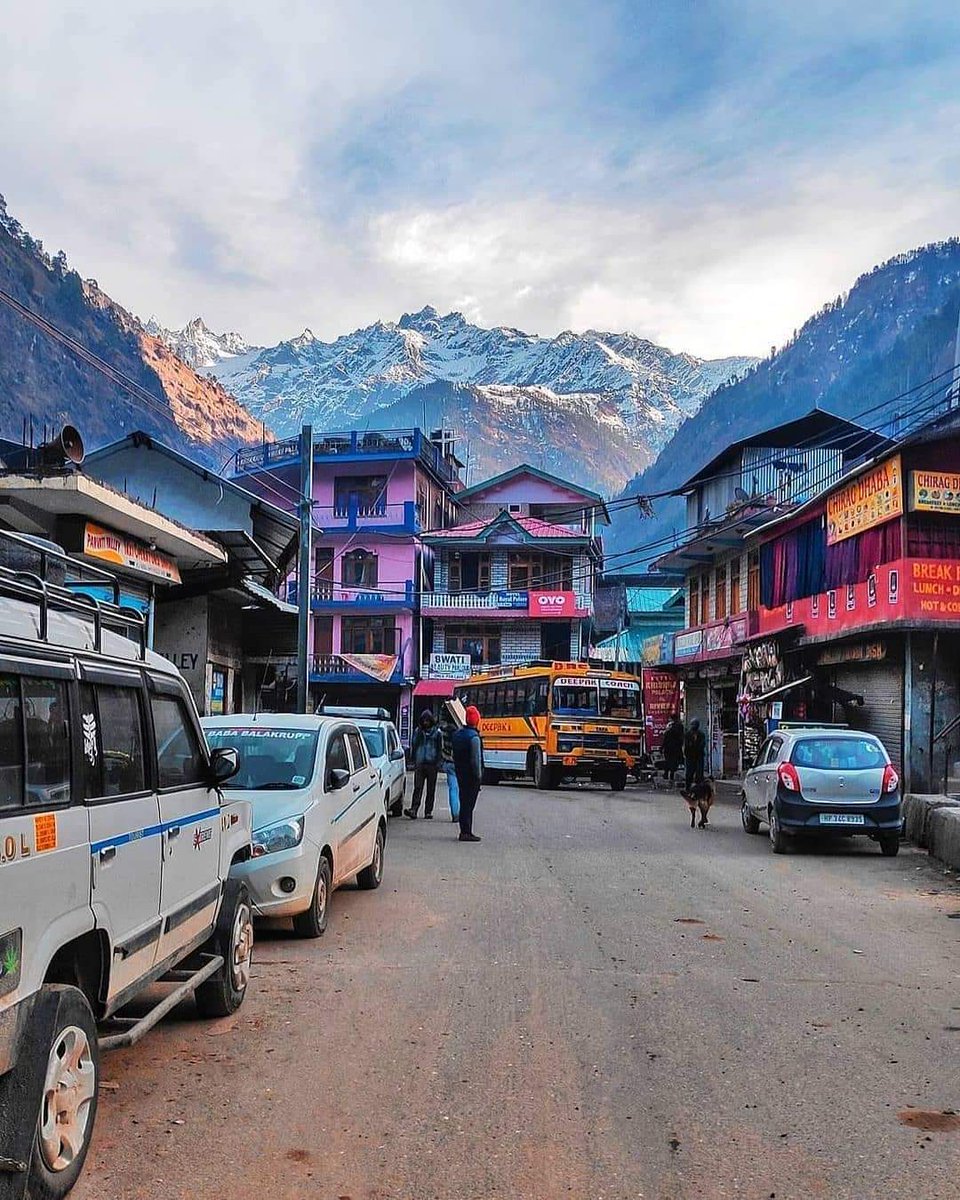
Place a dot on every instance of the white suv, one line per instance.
(115, 852)
(383, 746)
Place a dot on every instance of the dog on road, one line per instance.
(700, 799)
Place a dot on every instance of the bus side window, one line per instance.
(510, 700)
(540, 702)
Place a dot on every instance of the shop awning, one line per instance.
(435, 687)
(778, 691)
(264, 597)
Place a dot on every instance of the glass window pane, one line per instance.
(271, 759)
(356, 751)
(11, 743)
(121, 740)
(337, 755)
(179, 757)
(48, 741)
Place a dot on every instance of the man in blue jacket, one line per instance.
(427, 750)
(468, 762)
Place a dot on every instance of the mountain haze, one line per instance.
(894, 329)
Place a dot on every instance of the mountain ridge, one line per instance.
(502, 388)
(893, 329)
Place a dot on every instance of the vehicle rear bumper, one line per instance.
(263, 875)
(583, 762)
(801, 816)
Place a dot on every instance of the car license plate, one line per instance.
(841, 819)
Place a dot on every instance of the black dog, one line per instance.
(700, 799)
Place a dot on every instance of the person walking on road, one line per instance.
(672, 746)
(694, 751)
(427, 750)
(468, 761)
(447, 730)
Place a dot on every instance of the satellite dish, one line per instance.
(741, 495)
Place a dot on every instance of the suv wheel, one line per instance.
(313, 922)
(223, 993)
(371, 875)
(68, 1106)
(778, 839)
(747, 819)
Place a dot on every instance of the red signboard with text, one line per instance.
(552, 604)
(920, 589)
(661, 699)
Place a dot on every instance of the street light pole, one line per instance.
(303, 573)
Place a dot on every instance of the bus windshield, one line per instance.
(575, 698)
(619, 698)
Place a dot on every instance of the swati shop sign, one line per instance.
(872, 498)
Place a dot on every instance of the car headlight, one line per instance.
(284, 835)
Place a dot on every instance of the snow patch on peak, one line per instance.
(197, 345)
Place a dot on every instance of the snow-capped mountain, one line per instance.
(624, 395)
(198, 346)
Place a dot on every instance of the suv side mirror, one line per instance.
(224, 764)
(398, 755)
(337, 779)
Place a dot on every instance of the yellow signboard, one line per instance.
(123, 551)
(874, 497)
(935, 491)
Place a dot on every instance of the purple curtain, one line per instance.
(853, 559)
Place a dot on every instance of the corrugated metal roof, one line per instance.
(626, 646)
(649, 600)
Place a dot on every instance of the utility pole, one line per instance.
(303, 574)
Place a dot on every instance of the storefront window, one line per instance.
(481, 642)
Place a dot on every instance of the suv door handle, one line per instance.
(172, 833)
(108, 853)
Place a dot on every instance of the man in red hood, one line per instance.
(468, 762)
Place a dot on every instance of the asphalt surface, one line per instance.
(594, 1002)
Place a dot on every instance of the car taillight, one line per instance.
(789, 779)
(891, 780)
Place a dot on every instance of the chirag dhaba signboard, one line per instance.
(122, 551)
(870, 499)
(935, 491)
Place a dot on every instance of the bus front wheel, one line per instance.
(544, 775)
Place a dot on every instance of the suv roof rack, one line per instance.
(50, 597)
(812, 725)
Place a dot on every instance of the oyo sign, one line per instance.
(552, 604)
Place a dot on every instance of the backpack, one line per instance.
(431, 747)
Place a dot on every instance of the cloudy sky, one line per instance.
(704, 172)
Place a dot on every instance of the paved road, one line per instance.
(596, 1002)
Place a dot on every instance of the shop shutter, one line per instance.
(881, 686)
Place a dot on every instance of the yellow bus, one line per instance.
(556, 720)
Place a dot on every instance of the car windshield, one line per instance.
(839, 754)
(374, 740)
(578, 699)
(619, 698)
(270, 759)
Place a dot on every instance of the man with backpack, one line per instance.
(427, 750)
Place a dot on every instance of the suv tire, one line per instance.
(748, 820)
(313, 922)
(69, 1099)
(371, 875)
(223, 993)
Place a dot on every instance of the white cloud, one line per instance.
(327, 165)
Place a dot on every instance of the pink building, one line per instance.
(375, 494)
(513, 581)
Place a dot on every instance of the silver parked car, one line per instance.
(824, 780)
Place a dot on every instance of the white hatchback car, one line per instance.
(318, 811)
(383, 746)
